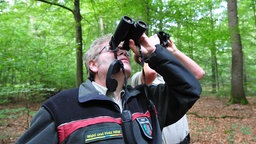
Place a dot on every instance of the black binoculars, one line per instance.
(127, 29)
(163, 37)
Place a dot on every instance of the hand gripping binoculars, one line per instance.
(127, 29)
(163, 37)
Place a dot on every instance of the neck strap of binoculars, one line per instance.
(111, 83)
(156, 131)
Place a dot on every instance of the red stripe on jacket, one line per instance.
(64, 130)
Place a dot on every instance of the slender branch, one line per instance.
(214, 117)
(56, 4)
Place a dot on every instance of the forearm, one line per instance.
(189, 63)
(150, 74)
(171, 69)
(181, 89)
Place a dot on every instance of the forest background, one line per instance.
(39, 48)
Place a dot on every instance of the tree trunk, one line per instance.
(79, 43)
(213, 56)
(237, 89)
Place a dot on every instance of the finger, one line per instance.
(133, 47)
(169, 43)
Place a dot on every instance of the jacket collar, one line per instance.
(88, 92)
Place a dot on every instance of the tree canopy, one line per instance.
(38, 46)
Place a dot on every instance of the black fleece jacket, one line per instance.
(83, 115)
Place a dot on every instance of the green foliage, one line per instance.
(25, 92)
(234, 100)
(11, 113)
(246, 130)
(38, 47)
(232, 133)
(34, 51)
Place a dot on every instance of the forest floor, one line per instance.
(211, 121)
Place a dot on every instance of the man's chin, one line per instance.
(128, 72)
(126, 61)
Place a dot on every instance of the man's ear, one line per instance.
(93, 66)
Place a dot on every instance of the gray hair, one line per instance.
(93, 51)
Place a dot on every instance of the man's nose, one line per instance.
(123, 52)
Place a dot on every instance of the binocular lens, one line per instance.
(142, 24)
(128, 20)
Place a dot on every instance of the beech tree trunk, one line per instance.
(237, 83)
(79, 43)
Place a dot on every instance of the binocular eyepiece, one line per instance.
(127, 29)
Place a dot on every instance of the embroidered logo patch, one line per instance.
(145, 126)
(103, 133)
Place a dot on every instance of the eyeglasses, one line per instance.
(119, 51)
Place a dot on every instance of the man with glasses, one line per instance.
(92, 113)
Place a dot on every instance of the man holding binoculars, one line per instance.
(104, 109)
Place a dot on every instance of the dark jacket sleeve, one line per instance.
(180, 91)
(42, 130)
